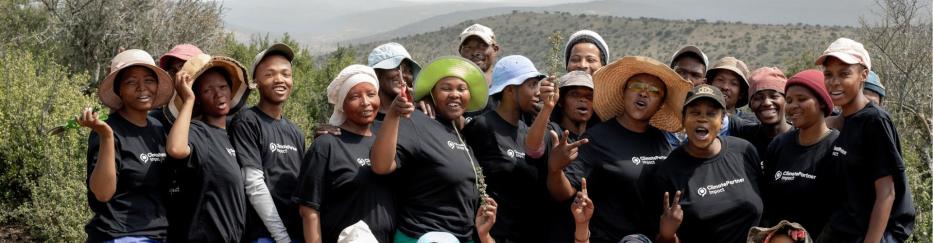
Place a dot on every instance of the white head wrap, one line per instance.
(341, 85)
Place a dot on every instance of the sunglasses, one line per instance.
(639, 87)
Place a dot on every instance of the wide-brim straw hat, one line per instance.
(453, 66)
(130, 58)
(610, 82)
(196, 66)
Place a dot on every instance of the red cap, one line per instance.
(183, 52)
(813, 80)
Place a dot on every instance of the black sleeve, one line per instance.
(195, 141)
(407, 142)
(313, 176)
(244, 136)
(93, 153)
(753, 166)
(581, 167)
(885, 158)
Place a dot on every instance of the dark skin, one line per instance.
(518, 99)
(730, 84)
(274, 80)
(173, 65)
(584, 56)
(845, 83)
(577, 108)
(213, 99)
(691, 69)
(138, 87)
(768, 106)
(480, 53)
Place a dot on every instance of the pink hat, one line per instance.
(183, 52)
(766, 78)
(847, 51)
(129, 58)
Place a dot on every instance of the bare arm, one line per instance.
(884, 201)
(534, 142)
(103, 181)
(383, 152)
(311, 224)
(176, 145)
(562, 154)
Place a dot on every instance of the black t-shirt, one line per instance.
(617, 164)
(436, 181)
(720, 200)
(868, 148)
(748, 117)
(791, 189)
(517, 182)
(275, 147)
(212, 200)
(754, 133)
(136, 208)
(339, 182)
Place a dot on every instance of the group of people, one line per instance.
(476, 148)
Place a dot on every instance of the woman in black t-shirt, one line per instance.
(796, 159)
(211, 204)
(439, 185)
(126, 152)
(713, 179)
(766, 99)
(876, 202)
(337, 186)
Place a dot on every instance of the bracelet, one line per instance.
(583, 240)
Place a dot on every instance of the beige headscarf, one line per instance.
(341, 85)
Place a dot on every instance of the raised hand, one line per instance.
(582, 207)
(486, 216)
(672, 216)
(183, 85)
(402, 105)
(549, 94)
(427, 108)
(89, 118)
(563, 152)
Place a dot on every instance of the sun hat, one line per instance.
(129, 58)
(478, 30)
(706, 91)
(575, 79)
(873, 83)
(196, 66)
(512, 70)
(277, 48)
(182, 51)
(847, 51)
(813, 80)
(763, 235)
(690, 49)
(338, 88)
(453, 66)
(736, 66)
(611, 80)
(390, 56)
(766, 78)
(357, 233)
(591, 36)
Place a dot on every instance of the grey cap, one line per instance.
(275, 48)
(575, 79)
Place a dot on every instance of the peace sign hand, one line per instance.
(582, 207)
(672, 217)
(563, 152)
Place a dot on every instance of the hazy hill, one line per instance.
(526, 33)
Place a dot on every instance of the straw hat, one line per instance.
(130, 58)
(452, 66)
(197, 65)
(611, 80)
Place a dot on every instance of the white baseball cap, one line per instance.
(847, 51)
(478, 30)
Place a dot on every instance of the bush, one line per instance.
(41, 175)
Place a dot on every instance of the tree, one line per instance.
(899, 45)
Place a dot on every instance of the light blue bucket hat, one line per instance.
(390, 56)
(512, 70)
(873, 83)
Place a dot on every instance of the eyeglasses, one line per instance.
(639, 87)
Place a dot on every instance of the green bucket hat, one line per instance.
(452, 66)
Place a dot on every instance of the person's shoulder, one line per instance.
(246, 115)
(325, 141)
(480, 122)
(735, 143)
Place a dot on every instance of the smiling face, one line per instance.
(730, 84)
(274, 79)
(213, 94)
(702, 122)
(451, 97)
(843, 81)
(803, 108)
(480, 53)
(642, 97)
(584, 56)
(577, 104)
(768, 106)
(361, 104)
(138, 88)
(391, 80)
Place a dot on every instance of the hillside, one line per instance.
(526, 33)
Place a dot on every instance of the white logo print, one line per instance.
(515, 154)
(838, 151)
(718, 188)
(454, 145)
(792, 175)
(281, 148)
(647, 160)
(363, 162)
(231, 151)
(777, 175)
(151, 157)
